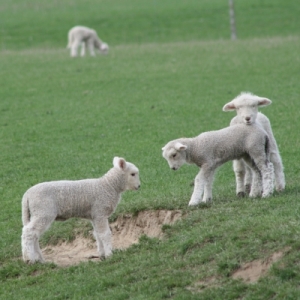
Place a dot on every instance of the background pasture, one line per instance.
(170, 70)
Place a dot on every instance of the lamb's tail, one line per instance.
(267, 147)
(70, 40)
(25, 210)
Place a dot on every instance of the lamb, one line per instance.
(211, 149)
(246, 106)
(93, 199)
(85, 37)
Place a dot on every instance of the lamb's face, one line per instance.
(247, 113)
(132, 176)
(130, 171)
(104, 48)
(246, 106)
(175, 154)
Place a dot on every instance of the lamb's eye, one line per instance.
(174, 155)
(132, 174)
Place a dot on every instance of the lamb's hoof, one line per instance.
(248, 188)
(97, 255)
(280, 189)
(93, 256)
(241, 194)
(31, 262)
(266, 195)
(206, 201)
(256, 195)
(27, 261)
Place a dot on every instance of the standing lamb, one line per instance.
(246, 105)
(211, 149)
(85, 37)
(93, 199)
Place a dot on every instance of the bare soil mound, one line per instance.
(249, 272)
(252, 271)
(126, 231)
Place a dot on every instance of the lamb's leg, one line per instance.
(248, 179)
(102, 234)
(200, 182)
(256, 185)
(83, 47)
(278, 170)
(239, 171)
(38, 250)
(90, 44)
(264, 170)
(209, 176)
(30, 239)
(74, 48)
(268, 179)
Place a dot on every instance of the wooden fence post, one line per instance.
(232, 20)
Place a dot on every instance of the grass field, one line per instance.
(170, 70)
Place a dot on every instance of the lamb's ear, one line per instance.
(119, 162)
(264, 102)
(163, 148)
(229, 107)
(180, 147)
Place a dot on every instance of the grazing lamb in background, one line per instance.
(85, 37)
(211, 149)
(246, 105)
(94, 199)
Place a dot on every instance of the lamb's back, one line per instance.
(66, 198)
(227, 144)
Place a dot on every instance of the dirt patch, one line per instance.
(67, 254)
(126, 231)
(252, 271)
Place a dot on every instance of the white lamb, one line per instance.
(246, 105)
(93, 199)
(85, 37)
(211, 149)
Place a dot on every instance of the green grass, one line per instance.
(64, 118)
(31, 24)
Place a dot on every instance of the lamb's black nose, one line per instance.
(174, 168)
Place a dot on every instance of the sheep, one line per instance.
(85, 37)
(246, 105)
(94, 199)
(211, 149)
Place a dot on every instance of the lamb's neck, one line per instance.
(114, 180)
(192, 152)
(189, 151)
(98, 42)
